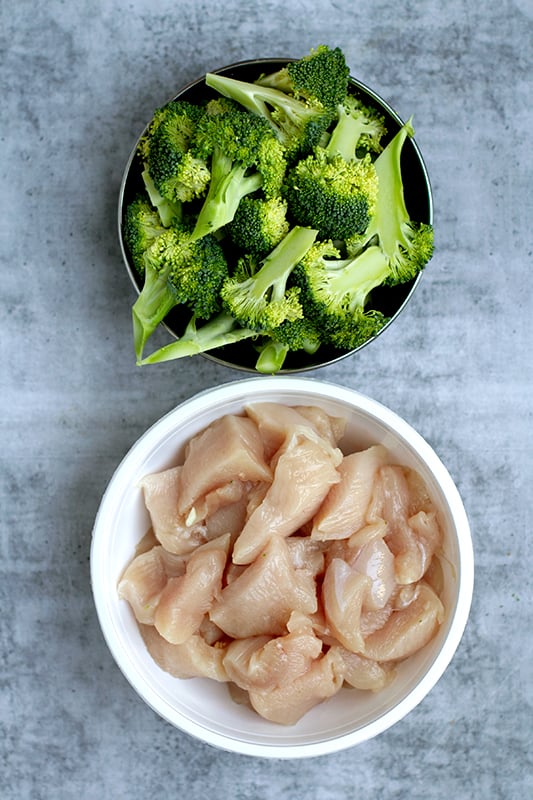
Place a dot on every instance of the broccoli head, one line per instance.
(259, 225)
(245, 156)
(141, 226)
(336, 196)
(178, 270)
(408, 245)
(257, 295)
(335, 293)
(335, 188)
(319, 77)
(165, 149)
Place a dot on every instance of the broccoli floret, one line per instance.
(331, 194)
(220, 331)
(257, 295)
(359, 128)
(177, 174)
(259, 225)
(298, 124)
(335, 188)
(335, 293)
(170, 212)
(178, 270)
(245, 156)
(321, 76)
(291, 335)
(408, 245)
(141, 226)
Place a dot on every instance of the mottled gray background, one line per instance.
(79, 80)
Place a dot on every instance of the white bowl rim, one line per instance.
(234, 390)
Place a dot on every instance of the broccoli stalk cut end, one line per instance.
(155, 301)
(219, 331)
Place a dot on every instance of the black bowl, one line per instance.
(389, 300)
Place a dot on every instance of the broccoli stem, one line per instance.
(153, 304)
(217, 332)
(229, 184)
(249, 95)
(168, 211)
(355, 278)
(279, 264)
(271, 357)
(391, 210)
(345, 136)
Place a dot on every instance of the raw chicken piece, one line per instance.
(412, 540)
(376, 560)
(148, 541)
(277, 421)
(419, 497)
(186, 599)
(368, 533)
(195, 658)
(304, 472)
(182, 534)
(261, 662)
(228, 518)
(261, 599)
(145, 579)
(330, 428)
(428, 532)
(160, 491)
(306, 554)
(363, 673)
(407, 629)
(288, 703)
(344, 510)
(372, 621)
(343, 592)
(230, 449)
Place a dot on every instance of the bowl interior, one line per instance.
(203, 708)
(390, 301)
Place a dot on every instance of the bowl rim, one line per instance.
(342, 354)
(238, 390)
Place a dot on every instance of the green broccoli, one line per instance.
(259, 225)
(291, 335)
(141, 226)
(257, 295)
(245, 156)
(335, 188)
(321, 76)
(407, 245)
(170, 212)
(178, 271)
(359, 127)
(220, 331)
(331, 194)
(335, 293)
(298, 124)
(165, 149)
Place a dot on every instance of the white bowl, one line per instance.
(203, 708)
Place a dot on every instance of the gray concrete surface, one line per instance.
(79, 81)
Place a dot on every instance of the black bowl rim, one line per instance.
(359, 85)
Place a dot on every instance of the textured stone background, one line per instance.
(79, 81)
